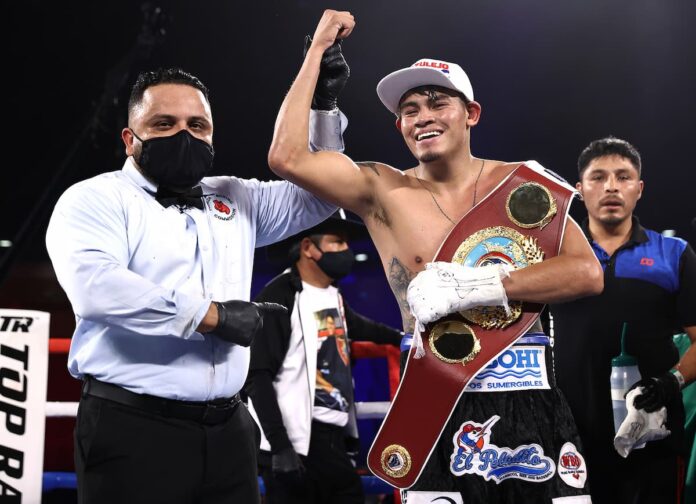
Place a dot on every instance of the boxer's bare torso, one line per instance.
(408, 218)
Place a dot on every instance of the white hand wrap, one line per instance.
(444, 288)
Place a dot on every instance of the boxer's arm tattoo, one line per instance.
(399, 277)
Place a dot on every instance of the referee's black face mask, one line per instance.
(177, 161)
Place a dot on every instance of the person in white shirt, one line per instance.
(300, 380)
(156, 260)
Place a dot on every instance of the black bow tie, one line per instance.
(187, 198)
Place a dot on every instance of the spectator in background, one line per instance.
(300, 382)
(649, 284)
(683, 343)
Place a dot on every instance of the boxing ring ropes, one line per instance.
(365, 410)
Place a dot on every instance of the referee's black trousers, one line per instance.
(128, 455)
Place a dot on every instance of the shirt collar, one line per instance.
(131, 171)
(638, 234)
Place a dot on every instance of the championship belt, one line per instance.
(521, 222)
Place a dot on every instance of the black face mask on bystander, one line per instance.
(336, 265)
(177, 161)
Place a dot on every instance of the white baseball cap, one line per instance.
(424, 72)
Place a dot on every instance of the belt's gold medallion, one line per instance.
(396, 461)
(454, 342)
(530, 205)
(497, 245)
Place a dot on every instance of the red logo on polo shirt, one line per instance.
(646, 261)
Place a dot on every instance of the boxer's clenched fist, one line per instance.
(333, 25)
(333, 75)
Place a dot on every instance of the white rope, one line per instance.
(365, 410)
(61, 409)
(376, 409)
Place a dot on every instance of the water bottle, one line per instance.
(624, 373)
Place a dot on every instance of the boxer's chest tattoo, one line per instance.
(399, 277)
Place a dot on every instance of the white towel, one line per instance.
(639, 426)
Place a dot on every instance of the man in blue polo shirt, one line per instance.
(650, 284)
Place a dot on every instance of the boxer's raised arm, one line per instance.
(331, 175)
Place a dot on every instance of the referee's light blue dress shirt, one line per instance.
(141, 277)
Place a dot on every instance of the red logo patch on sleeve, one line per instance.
(646, 261)
(221, 207)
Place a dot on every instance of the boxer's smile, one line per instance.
(425, 135)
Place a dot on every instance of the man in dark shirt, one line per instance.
(300, 381)
(649, 284)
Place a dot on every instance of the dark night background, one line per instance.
(551, 77)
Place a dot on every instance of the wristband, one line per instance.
(406, 342)
(680, 378)
(326, 129)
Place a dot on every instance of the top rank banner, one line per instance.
(23, 380)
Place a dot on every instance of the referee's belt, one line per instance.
(205, 412)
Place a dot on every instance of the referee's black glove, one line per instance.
(287, 466)
(352, 449)
(658, 391)
(239, 321)
(333, 75)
